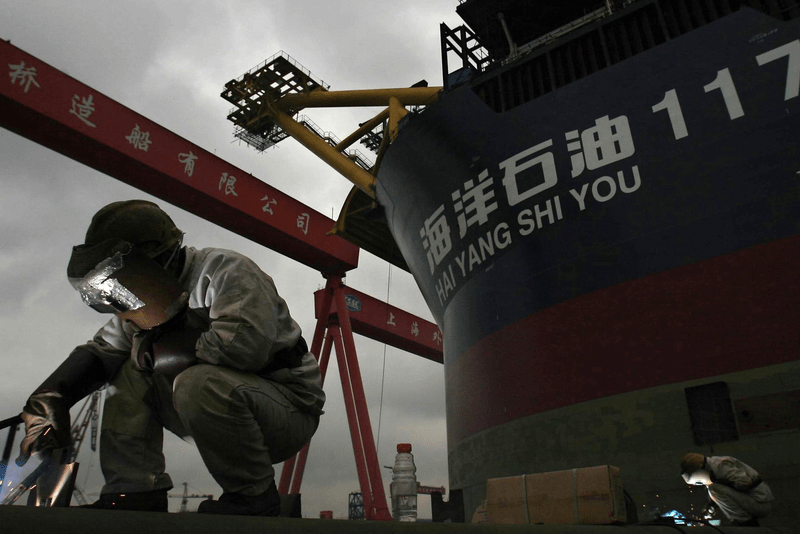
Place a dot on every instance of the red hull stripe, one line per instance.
(727, 314)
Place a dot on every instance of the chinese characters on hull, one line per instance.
(608, 141)
(524, 179)
(476, 203)
(435, 236)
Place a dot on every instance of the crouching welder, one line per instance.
(200, 344)
(733, 486)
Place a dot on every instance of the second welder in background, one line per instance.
(733, 486)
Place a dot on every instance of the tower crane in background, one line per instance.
(88, 415)
(186, 496)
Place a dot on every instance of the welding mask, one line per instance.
(116, 277)
(700, 477)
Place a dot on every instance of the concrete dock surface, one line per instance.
(30, 520)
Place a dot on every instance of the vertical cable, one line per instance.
(383, 372)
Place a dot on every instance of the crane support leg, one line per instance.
(295, 466)
(337, 333)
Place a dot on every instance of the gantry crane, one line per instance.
(61, 113)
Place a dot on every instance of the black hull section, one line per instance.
(636, 229)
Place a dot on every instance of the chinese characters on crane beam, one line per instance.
(84, 106)
(188, 162)
(25, 76)
(83, 109)
(437, 337)
(229, 183)
(139, 139)
(415, 329)
(302, 222)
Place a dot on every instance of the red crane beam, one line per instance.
(388, 324)
(45, 105)
(53, 109)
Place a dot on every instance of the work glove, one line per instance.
(168, 353)
(169, 349)
(47, 424)
(46, 414)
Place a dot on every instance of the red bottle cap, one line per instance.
(403, 447)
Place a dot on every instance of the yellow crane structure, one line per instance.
(267, 100)
(267, 97)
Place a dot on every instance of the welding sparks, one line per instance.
(677, 517)
(680, 519)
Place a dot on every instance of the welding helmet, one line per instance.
(694, 469)
(701, 477)
(138, 222)
(120, 268)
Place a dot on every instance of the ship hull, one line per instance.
(591, 254)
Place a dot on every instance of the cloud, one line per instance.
(169, 62)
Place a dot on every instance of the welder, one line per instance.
(733, 486)
(200, 343)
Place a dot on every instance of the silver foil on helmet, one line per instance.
(99, 288)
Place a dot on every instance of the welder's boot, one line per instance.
(148, 501)
(266, 504)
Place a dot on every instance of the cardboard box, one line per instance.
(480, 516)
(586, 496)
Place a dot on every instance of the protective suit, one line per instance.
(738, 489)
(251, 399)
(735, 487)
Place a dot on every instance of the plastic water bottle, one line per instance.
(404, 485)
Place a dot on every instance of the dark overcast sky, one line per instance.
(169, 60)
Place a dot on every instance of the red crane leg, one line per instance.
(322, 317)
(325, 357)
(302, 456)
(289, 476)
(352, 420)
(381, 511)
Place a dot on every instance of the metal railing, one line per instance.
(11, 423)
(329, 137)
(288, 58)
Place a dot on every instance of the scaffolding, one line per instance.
(356, 506)
(268, 97)
(253, 91)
